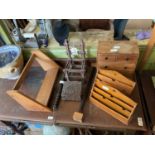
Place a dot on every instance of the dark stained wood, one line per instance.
(148, 50)
(149, 94)
(11, 110)
(94, 117)
(94, 24)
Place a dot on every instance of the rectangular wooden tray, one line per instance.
(41, 100)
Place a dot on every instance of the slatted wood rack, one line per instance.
(116, 80)
(112, 101)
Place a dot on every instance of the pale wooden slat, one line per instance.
(117, 76)
(116, 84)
(109, 111)
(47, 86)
(114, 92)
(119, 102)
(26, 102)
(111, 105)
(24, 73)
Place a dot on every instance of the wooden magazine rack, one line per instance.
(41, 100)
(112, 100)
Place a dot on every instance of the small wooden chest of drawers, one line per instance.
(121, 56)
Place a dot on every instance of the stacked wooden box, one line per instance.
(120, 56)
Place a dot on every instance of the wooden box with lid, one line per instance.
(120, 56)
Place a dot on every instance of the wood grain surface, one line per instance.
(94, 117)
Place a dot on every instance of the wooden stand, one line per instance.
(41, 101)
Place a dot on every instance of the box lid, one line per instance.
(118, 47)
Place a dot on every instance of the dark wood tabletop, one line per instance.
(93, 117)
(149, 94)
(97, 119)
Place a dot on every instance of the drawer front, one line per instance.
(106, 57)
(117, 57)
(125, 47)
(117, 66)
(127, 57)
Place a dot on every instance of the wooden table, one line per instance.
(94, 117)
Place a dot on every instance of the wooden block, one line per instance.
(77, 116)
(41, 101)
(112, 100)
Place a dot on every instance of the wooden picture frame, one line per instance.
(41, 100)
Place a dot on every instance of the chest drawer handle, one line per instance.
(106, 58)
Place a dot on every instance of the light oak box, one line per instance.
(111, 100)
(40, 102)
(120, 56)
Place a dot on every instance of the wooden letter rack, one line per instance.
(112, 101)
